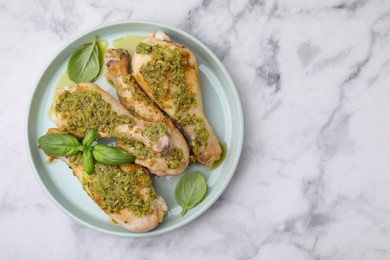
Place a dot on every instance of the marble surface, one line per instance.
(314, 176)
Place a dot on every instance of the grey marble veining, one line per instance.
(314, 175)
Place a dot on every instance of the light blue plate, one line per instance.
(222, 108)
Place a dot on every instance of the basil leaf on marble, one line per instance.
(190, 190)
(59, 144)
(84, 64)
(89, 165)
(110, 155)
(90, 137)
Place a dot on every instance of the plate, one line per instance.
(221, 104)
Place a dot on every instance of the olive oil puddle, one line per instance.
(63, 80)
(128, 42)
(223, 156)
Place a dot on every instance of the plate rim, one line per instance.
(223, 185)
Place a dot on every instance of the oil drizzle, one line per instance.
(102, 45)
(111, 220)
(128, 42)
(63, 80)
(223, 156)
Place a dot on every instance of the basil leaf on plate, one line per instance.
(88, 163)
(190, 190)
(111, 155)
(84, 64)
(59, 144)
(90, 137)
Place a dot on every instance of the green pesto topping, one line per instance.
(164, 72)
(176, 160)
(154, 131)
(143, 48)
(87, 110)
(137, 102)
(115, 189)
(201, 134)
(155, 74)
(138, 148)
(135, 89)
(76, 159)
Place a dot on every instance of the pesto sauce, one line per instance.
(176, 160)
(165, 69)
(154, 131)
(138, 95)
(115, 189)
(155, 74)
(87, 110)
(201, 134)
(76, 159)
(139, 149)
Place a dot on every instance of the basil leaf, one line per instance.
(84, 64)
(111, 155)
(190, 190)
(59, 144)
(90, 137)
(89, 166)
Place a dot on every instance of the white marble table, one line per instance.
(313, 181)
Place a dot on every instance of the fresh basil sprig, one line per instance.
(60, 144)
(84, 64)
(111, 155)
(68, 145)
(89, 165)
(190, 190)
(90, 137)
